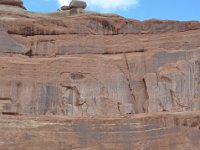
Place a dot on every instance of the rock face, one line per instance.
(166, 131)
(17, 3)
(93, 65)
(98, 65)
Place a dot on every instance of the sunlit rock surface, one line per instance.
(89, 67)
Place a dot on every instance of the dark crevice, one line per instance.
(103, 53)
(140, 50)
(5, 98)
(147, 95)
(127, 52)
(118, 107)
(29, 53)
(11, 113)
(128, 78)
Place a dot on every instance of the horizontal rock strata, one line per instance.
(100, 66)
(156, 131)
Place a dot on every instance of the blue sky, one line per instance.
(138, 9)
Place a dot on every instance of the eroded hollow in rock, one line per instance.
(76, 76)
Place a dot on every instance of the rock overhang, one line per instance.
(17, 3)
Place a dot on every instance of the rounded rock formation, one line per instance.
(77, 4)
(17, 3)
(65, 7)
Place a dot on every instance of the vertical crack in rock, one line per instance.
(118, 107)
(172, 99)
(128, 78)
(147, 97)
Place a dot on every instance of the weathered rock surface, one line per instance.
(79, 68)
(93, 65)
(150, 132)
(77, 4)
(17, 3)
(65, 7)
(75, 7)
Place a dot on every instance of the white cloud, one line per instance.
(106, 4)
(63, 2)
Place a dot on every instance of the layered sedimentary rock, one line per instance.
(169, 131)
(99, 65)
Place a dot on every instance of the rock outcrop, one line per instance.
(75, 7)
(17, 3)
(77, 4)
(65, 7)
(143, 76)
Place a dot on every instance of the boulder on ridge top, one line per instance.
(17, 3)
(65, 7)
(77, 4)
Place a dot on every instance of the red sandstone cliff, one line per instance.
(94, 65)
